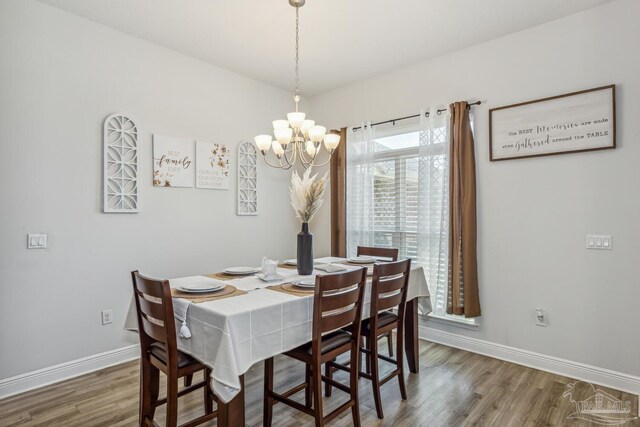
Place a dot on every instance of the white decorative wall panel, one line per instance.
(120, 165)
(247, 179)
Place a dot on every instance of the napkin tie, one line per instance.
(180, 307)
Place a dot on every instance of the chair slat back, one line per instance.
(390, 253)
(389, 286)
(155, 313)
(338, 301)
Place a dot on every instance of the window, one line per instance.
(395, 193)
(397, 196)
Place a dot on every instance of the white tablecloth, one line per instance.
(232, 334)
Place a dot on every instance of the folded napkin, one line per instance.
(330, 268)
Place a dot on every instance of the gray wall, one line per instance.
(534, 214)
(61, 76)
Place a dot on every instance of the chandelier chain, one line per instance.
(297, 91)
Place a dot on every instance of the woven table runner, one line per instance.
(228, 292)
(224, 276)
(289, 288)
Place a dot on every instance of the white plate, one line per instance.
(240, 271)
(306, 283)
(200, 291)
(197, 284)
(203, 287)
(363, 260)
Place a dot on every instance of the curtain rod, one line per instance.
(413, 117)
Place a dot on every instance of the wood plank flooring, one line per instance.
(453, 388)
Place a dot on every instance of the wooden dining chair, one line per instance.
(388, 290)
(159, 349)
(337, 304)
(392, 255)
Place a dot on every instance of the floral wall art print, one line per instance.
(212, 166)
(173, 161)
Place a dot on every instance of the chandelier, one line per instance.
(297, 137)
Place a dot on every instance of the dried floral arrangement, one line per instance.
(306, 194)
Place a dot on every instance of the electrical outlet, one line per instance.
(107, 316)
(36, 241)
(599, 241)
(542, 319)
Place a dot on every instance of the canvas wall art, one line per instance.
(173, 161)
(212, 166)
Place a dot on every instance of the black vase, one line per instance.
(305, 251)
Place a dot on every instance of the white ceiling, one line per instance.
(342, 41)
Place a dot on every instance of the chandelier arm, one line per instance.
(286, 159)
(278, 166)
(293, 150)
(323, 164)
(303, 157)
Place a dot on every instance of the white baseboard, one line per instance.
(605, 377)
(593, 374)
(53, 374)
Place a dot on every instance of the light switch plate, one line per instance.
(599, 241)
(36, 241)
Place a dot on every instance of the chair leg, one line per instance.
(208, 393)
(188, 380)
(367, 357)
(316, 373)
(145, 395)
(328, 372)
(154, 389)
(354, 375)
(390, 343)
(268, 388)
(172, 399)
(375, 378)
(308, 390)
(400, 362)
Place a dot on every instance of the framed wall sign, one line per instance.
(173, 161)
(212, 166)
(570, 123)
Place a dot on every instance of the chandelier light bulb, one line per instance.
(331, 141)
(277, 124)
(263, 142)
(306, 125)
(316, 133)
(311, 149)
(296, 119)
(277, 149)
(283, 135)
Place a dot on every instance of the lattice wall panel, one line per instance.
(120, 165)
(247, 179)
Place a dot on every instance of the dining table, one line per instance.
(261, 320)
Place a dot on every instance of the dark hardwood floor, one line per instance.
(453, 388)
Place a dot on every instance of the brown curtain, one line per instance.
(463, 264)
(338, 184)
